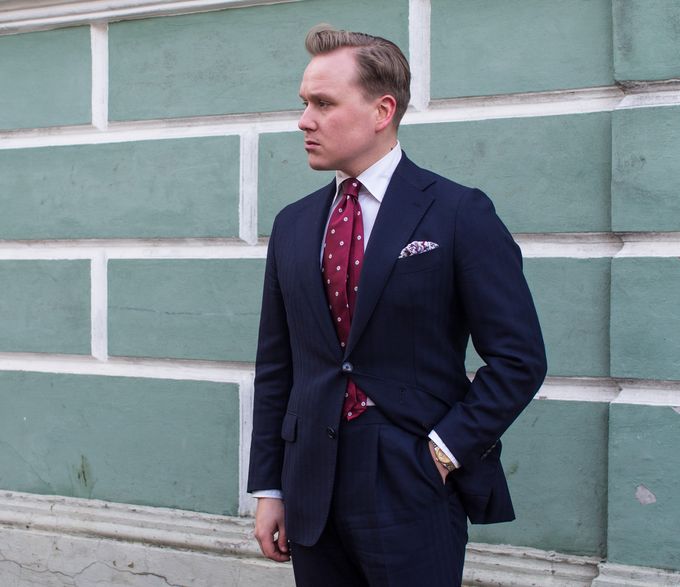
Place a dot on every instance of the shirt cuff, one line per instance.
(275, 493)
(434, 437)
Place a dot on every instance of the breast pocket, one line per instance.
(421, 262)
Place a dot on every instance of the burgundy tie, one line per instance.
(343, 257)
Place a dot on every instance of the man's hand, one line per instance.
(443, 471)
(270, 529)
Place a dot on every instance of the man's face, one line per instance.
(339, 123)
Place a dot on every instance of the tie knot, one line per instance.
(350, 187)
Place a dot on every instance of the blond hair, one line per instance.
(382, 67)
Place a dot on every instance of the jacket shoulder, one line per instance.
(427, 180)
(454, 200)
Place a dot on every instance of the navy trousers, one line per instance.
(393, 523)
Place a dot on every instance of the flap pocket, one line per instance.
(289, 427)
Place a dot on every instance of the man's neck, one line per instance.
(377, 155)
(376, 177)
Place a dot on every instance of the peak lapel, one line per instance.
(309, 230)
(402, 208)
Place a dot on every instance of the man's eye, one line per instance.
(323, 104)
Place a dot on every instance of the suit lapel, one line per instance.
(401, 210)
(309, 230)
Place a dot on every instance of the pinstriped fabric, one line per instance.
(393, 523)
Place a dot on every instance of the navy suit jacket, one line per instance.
(406, 348)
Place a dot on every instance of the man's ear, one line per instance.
(386, 106)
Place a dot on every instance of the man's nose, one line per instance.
(305, 122)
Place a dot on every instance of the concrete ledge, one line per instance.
(31, 558)
(162, 527)
(613, 575)
(59, 541)
(487, 565)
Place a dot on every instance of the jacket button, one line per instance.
(331, 432)
(347, 367)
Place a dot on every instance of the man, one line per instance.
(370, 445)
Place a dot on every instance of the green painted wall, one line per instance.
(144, 441)
(45, 78)
(240, 60)
(645, 319)
(644, 476)
(144, 189)
(555, 458)
(283, 176)
(486, 47)
(572, 300)
(646, 39)
(645, 170)
(545, 174)
(185, 309)
(45, 306)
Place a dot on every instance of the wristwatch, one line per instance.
(443, 458)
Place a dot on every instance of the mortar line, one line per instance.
(248, 182)
(419, 52)
(99, 35)
(99, 306)
(529, 105)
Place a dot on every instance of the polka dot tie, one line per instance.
(343, 258)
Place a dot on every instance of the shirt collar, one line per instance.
(377, 177)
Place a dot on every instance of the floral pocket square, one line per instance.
(417, 248)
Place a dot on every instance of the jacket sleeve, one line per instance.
(504, 328)
(273, 380)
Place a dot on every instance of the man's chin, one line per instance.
(319, 165)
